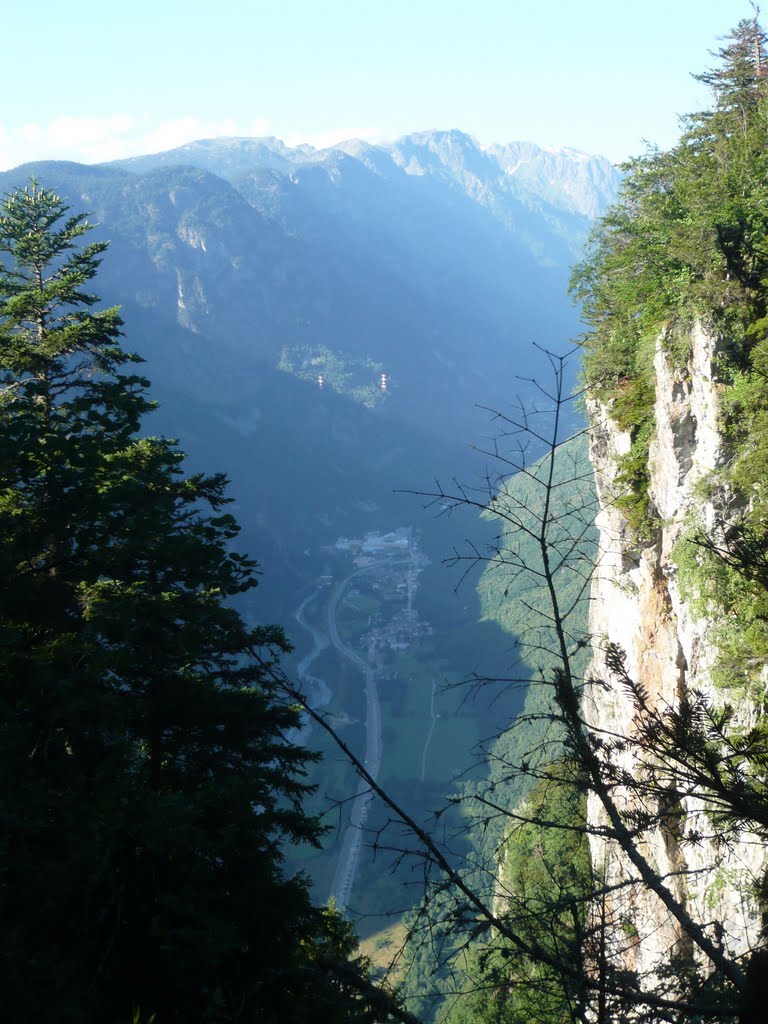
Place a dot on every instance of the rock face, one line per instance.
(637, 604)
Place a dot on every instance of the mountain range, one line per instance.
(322, 323)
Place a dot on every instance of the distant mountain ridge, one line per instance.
(580, 182)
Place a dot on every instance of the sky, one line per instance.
(96, 80)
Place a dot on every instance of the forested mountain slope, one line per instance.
(320, 326)
(269, 289)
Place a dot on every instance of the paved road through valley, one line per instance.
(353, 835)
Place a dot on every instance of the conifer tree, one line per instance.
(147, 778)
(738, 80)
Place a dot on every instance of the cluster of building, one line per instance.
(398, 633)
(374, 546)
(398, 561)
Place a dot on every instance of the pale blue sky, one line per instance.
(95, 79)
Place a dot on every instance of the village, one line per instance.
(390, 563)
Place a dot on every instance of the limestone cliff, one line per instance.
(639, 605)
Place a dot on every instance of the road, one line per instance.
(429, 734)
(346, 867)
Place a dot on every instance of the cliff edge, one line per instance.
(640, 607)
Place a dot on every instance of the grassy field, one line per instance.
(383, 948)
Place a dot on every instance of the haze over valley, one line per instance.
(323, 326)
(272, 290)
